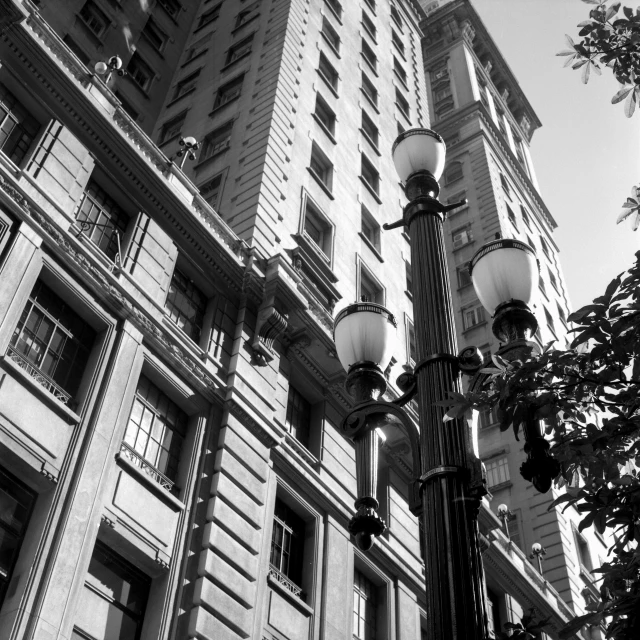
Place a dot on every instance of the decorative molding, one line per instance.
(107, 521)
(251, 424)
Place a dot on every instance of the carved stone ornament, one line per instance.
(270, 325)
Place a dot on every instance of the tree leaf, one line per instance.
(621, 95)
(630, 104)
(585, 73)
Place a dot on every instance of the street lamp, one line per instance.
(447, 478)
(505, 514)
(105, 69)
(537, 551)
(188, 148)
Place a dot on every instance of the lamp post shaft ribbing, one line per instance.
(456, 608)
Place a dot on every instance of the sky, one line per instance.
(587, 153)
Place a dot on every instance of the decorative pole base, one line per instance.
(366, 524)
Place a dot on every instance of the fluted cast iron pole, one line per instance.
(456, 607)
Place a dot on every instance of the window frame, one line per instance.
(366, 278)
(179, 90)
(370, 229)
(137, 59)
(239, 50)
(331, 36)
(370, 92)
(403, 105)
(453, 172)
(479, 318)
(152, 26)
(367, 167)
(329, 116)
(225, 93)
(468, 237)
(312, 214)
(332, 80)
(98, 13)
(373, 140)
(369, 56)
(208, 17)
(497, 467)
(369, 27)
(323, 174)
(12, 105)
(186, 289)
(220, 147)
(218, 176)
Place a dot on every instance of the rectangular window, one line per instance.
(398, 69)
(244, 16)
(368, 25)
(298, 419)
(17, 504)
(487, 418)
(461, 237)
(318, 229)
(217, 141)
(512, 216)
(505, 185)
(545, 248)
(186, 85)
(287, 547)
(371, 4)
(513, 527)
(328, 72)
(525, 215)
(369, 56)
(172, 129)
(321, 167)
(330, 35)
(543, 287)
(550, 324)
(370, 175)
(397, 41)
(370, 289)
(212, 190)
(395, 15)
(562, 314)
(402, 104)
(370, 228)
(114, 598)
(325, 115)
(239, 50)
(140, 72)
(472, 316)
(172, 7)
(94, 18)
(229, 91)
(369, 90)
(453, 173)
(102, 220)
(335, 6)
(155, 432)
(156, 37)
(582, 547)
(209, 16)
(370, 130)
(186, 305)
(553, 281)
(198, 47)
(364, 607)
(497, 471)
(52, 343)
(464, 279)
(18, 128)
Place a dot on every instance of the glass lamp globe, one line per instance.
(536, 548)
(101, 67)
(364, 332)
(504, 270)
(502, 510)
(418, 150)
(115, 62)
(190, 141)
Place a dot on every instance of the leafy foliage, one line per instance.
(589, 399)
(526, 629)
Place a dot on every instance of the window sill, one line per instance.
(371, 35)
(464, 286)
(190, 60)
(149, 483)
(371, 246)
(220, 107)
(333, 48)
(370, 101)
(228, 65)
(371, 190)
(502, 485)
(371, 67)
(403, 81)
(55, 404)
(294, 600)
(475, 326)
(153, 47)
(336, 15)
(186, 338)
(244, 24)
(324, 129)
(323, 186)
(400, 51)
(406, 115)
(180, 97)
(462, 246)
(328, 83)
(371, 142)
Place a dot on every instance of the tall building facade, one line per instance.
(170, 398)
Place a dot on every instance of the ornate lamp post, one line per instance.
(448, 482)
(505, 514)
(188, 148)
(537, 551)
(105, 69)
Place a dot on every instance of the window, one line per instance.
(369, 90)
(172, 7)
(335, 6)
(369, 56)
(397, 41)
(155, 35)
(497, 471)
(549, 320)
(453, 173)
(77, 49)
(198, 47)
(402, 103)
(398, 69)
(229, 91)
(102, 220)
(94, 18)
(553, 281)
(370, 289)
(172, 128)
(156, 431)
(186, 305)
(325, 115)
(411, 343)
(461, 237)
(543, 287)
(370, 130)
(243, 17)
(212, 190)
(472, 316)
(370, 228)
(501, 122)
(298, 419)
(209, 16)
(562, 314)
(328, 72)
(18, 128)
(287, 546)
(484, 98)
(582, 548)
(464, 279)
(320, 167)
(370, 175)
(513, 527)
(488, 417)
(512, 217)
(545, 247)
(114, 598)
(52, 341)
(408, 277)
(140, 72)
(364, 607)
(217, 141)
(17, 504)
(505, 185)
(368, 25)
(395, 15)
(239, 50)
(525, 215)
(186, 85)
(318, 229)
(330, 35)
(371, 4)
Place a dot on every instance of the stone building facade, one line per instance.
(170, 397)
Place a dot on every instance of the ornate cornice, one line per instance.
(249, 422)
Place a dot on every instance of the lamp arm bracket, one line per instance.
(387, 226)
(437, 357)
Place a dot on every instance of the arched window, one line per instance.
(453, 172)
